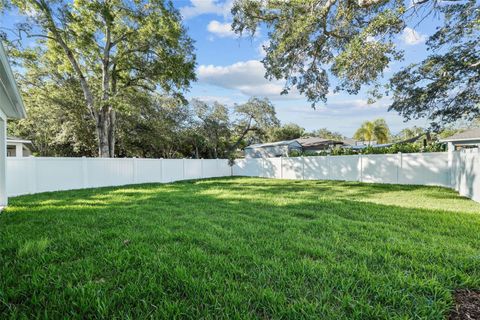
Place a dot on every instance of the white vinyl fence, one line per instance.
(414, 168)
(34, 175)
(466, 173)
(459, 170)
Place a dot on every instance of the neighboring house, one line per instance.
(315, 144)
(349, 142)
(361, 146)
(464, 140)
(283, 148)
(18, 147)
(272, 149)
(11, 107)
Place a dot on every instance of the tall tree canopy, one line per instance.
(311, 40)
(254, 118)
(110, 48)
(324, 133)
(288, 131)
(445, 87)
(212, 128)
(353, 39)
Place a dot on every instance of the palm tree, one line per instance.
(373, 130)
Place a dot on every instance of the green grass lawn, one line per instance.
(238, 248)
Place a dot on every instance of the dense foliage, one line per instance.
(111, 51)
(311, 41)
(445, 87)
(156, 127)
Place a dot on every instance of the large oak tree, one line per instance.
(354, 41)
(110, 48)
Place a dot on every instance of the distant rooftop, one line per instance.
(272, 144)
(314, 141)
(471, 134)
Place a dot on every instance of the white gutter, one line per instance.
(7, 81)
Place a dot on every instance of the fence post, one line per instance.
(360, 160)
(161, 170)
(399, 166)
(281, 167)
(84, 172)
(201, 166)
(303, 168)
(329, 169)
(33, 174)
(134, 167)
(264, 165)
(450, 164)
(183, 168)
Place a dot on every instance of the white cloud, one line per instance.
(224, 30)
(200, 7)
(221, 30)
(247, 77)
(211, 99)
(411, 37)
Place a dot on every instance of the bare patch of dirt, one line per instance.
(467, 305)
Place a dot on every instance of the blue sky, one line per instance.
(229, 70)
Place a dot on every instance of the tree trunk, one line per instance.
(105, 132)
(111, 133)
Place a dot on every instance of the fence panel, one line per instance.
(466, 165)
(52, 174)
(425, 169)
(252, 167)
(316, 168)
(172, 170)
(380, 168)
(345, 168)
(19, 176)
(209, 168)
(193, 169)
(223, 168)
(272, 168)
(34, 174)
(109, 172)
(147, 170)
(292, 168)
(460, 170)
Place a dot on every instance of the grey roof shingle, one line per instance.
(471, 134)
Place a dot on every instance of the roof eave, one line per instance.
(460, 139)
(7, 81)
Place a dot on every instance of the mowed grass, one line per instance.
(238, 248)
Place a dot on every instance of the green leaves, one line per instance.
(445, 87)
(310, 38)
(113, 49)
(376, 130)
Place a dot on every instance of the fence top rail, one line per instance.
(101, 159)
(350, 155)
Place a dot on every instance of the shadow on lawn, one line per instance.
(238, 189)
(271, 247)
